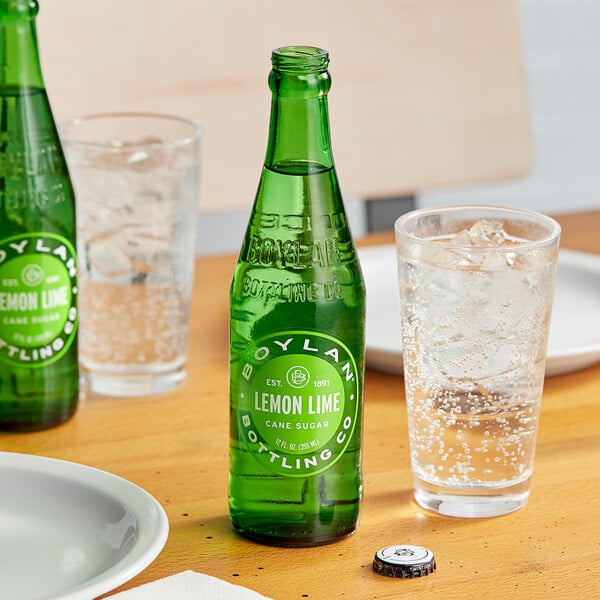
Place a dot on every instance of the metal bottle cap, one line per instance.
(404, 561)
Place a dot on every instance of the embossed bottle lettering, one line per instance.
(21, 163)
(43, 163)
(292, 254)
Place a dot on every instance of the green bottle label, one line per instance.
(297, 401)
(38, 298)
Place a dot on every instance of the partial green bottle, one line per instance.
(38, 270)
(297, 330)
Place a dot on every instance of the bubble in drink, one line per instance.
(150, 335)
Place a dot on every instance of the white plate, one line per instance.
(72, 532)
(574, 341)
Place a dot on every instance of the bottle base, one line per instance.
(291, 538)
(29, 423)
(471, 502)
(132, 384)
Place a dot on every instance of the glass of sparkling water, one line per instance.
(476, 288)
(136, 180)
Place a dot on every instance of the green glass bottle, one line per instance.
(38, 271)
(297, 330)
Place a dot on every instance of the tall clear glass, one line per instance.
(476, 289)
(136, 179)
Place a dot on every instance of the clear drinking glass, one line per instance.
(476, 288)
(136, 179)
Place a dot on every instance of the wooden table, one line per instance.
(176, 447)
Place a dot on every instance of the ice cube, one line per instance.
(143, 155)
(485, 233)
(108, 261)
(517, 261)
(463, 238)
(495, 261)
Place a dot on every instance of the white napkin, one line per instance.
(189, 585)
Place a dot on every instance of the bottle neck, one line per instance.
(19, 58)
(299, 140)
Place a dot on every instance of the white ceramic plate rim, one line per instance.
(560, 359)
(152, 523)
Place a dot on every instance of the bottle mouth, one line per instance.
(23, 7)
(300, 59)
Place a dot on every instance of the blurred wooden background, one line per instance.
(425, 93)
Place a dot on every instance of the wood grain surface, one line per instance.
(176, 447)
